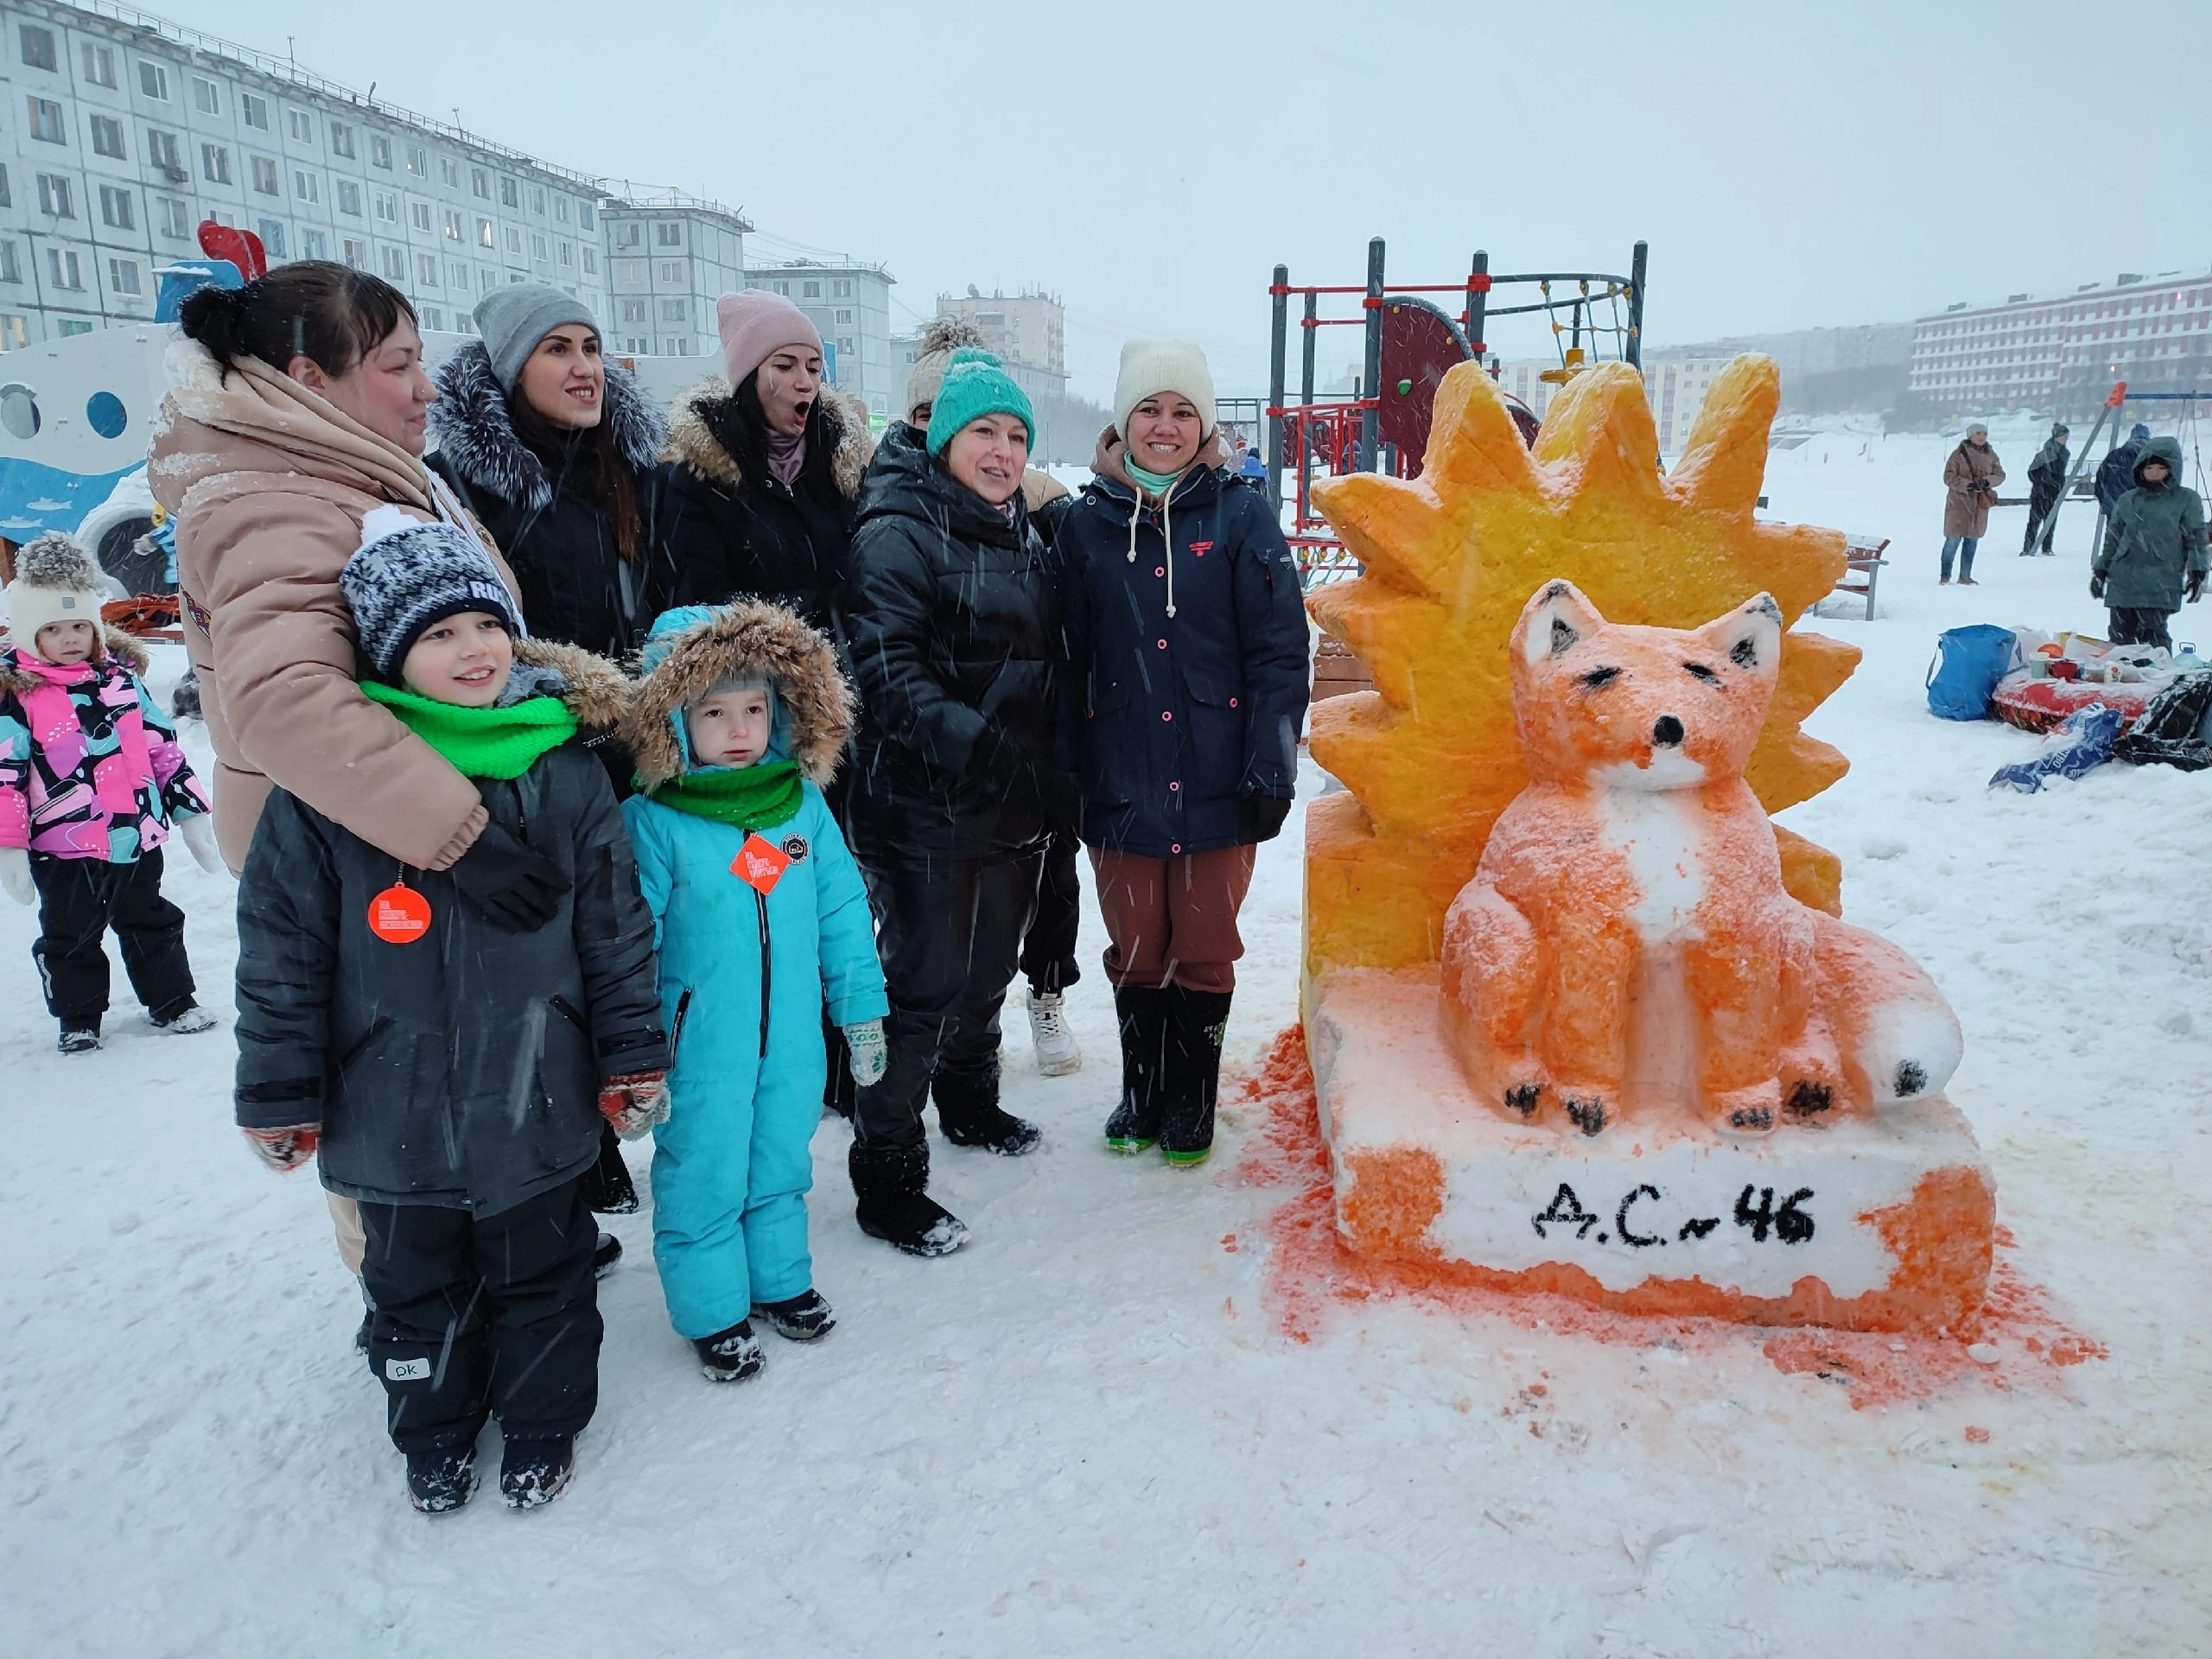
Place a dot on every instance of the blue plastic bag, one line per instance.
(1969, 663)
(2082, 744)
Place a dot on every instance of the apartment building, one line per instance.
(124, 133)
(669, 258)
(2062, 352)
(1028, 332)
(850, 305)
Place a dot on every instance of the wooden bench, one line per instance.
(1336, 670)
(1864, 567)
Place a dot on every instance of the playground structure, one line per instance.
(1410, 341)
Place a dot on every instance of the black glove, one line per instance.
(1263, 815)
(2196, 586)
(2096, 587)
(513, 886)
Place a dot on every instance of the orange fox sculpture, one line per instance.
(1626, 946)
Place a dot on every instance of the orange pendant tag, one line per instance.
(759, 864)
(399, 915)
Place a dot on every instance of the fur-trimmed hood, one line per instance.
(594, 690)
(476, 433)
(116, 647)
(691, 437)
(693, 649)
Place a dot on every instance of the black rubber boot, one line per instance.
(804, 1318)
(1142, 1012)
(731, 1356)
(439, 1483)
(1197, 1021)
(604, 1255)
(607, 1186)
(533, 1472)
(967, 1111)
(892, 1184)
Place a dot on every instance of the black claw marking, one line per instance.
(1745, 653)
(1810, 1097)
(1522, 1097)
(1912, 1077)
(1752, 1117)
(1587, 1116)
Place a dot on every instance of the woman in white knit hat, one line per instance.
(1186, 630)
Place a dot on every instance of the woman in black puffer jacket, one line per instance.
(556, 451)
(951, 623)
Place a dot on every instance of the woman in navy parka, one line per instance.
(1185, 631)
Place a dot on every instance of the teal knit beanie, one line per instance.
(975, 385)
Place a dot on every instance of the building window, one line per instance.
(355, 252)
(480, 183)
(341, 140)
(514, 240)
(668, 234)
(153, 82)
(10, 271)
(55, 198)
(380, 151)
(591, 262)
(809, 290)
(418, 160)
(844, 316)
(266, 179)
(510, 194)
(122, 276)
(349, 198)
(300, 124)
(207, 96)
(783, 288)
(419, 214)
(671, 270)
(426, 270)
(561, 208)
(585, 216)
(215, 163)
(107, 137)
(387, 207)
(487, 279)
(842, 288)
(537, 202)
(450, 170)
(6, 199)
(538, 247)
(676, 310)
(484, 238)
(38, 47)
(14, 332)
(99, 65)
(117, 212)
(637, 311)
(162, 148)
(47, 124)
(177, 217)
(272, 237)
(566, 252)
(305, 185)
(453, 232)
(69, 327)
(253, 110)
(395, 264)
(63, 268)
(627, 236)
(314, 243)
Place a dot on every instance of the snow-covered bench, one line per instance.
(1864, 569)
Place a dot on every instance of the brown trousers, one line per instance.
(1173, 921)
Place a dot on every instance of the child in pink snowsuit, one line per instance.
(91, 781)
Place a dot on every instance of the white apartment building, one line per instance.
(2063, 352)
(125, 133)
(850, 305)
(1677, 387)
(1028, 331)
(669, 257)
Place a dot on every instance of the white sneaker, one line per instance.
(1057, 1052)
(191, 1022)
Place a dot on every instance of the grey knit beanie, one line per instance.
(409, 575)
(513, 320)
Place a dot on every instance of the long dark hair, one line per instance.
(331, 314)
(606, 474)
(740, 426)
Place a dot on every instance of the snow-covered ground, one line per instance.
(1089, 1431)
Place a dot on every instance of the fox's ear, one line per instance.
(1749, 637)
(1556, 617)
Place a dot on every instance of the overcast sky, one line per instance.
(1791, 166)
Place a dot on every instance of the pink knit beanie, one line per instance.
(753, 324)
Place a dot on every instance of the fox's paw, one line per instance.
(1586, 1109)
(1521, 1099)
(1749, 1110)
(1811, 1081)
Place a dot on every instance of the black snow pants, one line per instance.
(2138, 624)
(2040, 503)
(79, 899)
(949, 934)
(482, 1314)
(1048, 950)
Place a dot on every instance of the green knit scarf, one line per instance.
(751, 797)
(480, 742)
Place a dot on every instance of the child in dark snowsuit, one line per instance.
(91, 783)
(452, 1064)
(736, 726)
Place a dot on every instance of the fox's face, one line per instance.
(1635, 708)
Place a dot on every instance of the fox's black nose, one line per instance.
(1667, 731)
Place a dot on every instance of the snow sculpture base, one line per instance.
(1880, 1223)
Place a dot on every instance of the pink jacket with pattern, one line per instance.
(89, 766)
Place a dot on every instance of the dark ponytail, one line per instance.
(327, 313)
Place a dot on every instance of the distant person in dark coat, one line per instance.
(2116, 473)
(2046, 482)
(2153, 553)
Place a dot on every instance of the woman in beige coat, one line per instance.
(1970, 479)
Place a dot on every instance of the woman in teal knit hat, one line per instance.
(952, 626)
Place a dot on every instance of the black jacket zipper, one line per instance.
(761, 901)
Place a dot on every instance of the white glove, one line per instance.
(198, 832)
(869, 1055)
(15, 875)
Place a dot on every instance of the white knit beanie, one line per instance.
(1152, 366)
(56, 581)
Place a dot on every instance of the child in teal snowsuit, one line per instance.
(738, 723)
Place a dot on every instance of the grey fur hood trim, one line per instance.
(115, 646)
(749, 639)
(476, 431)
(691, 437)
(596, 692)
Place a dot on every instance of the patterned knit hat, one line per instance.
(408, 576)
(56, 581)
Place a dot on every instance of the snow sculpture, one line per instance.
(1582, 1019)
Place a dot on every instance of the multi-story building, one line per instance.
(850, 305)
(127, 132)
(1676, 385)
(670, 256)
(2062, 352)
(1028, 331)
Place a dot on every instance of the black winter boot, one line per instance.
(1197, 1022)
(534, 1472)
(804, 1318)
(967, 1111)
(731, 1356)
(607, 1187)
(1142, 1011)
(441, 1482)
(892, 1184)
(604, 1255)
